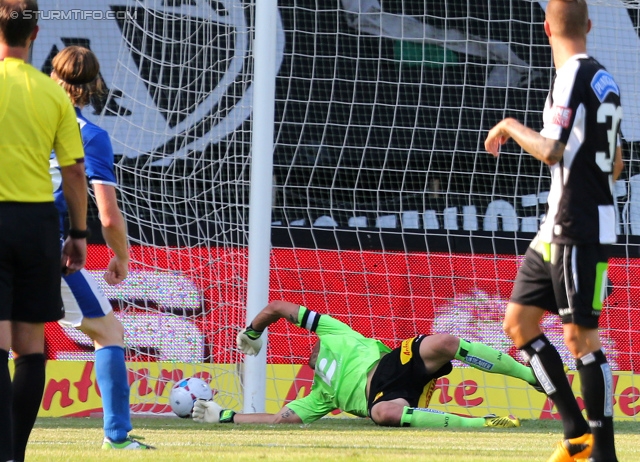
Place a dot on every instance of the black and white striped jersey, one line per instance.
(582, 111)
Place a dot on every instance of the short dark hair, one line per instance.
(18, 19)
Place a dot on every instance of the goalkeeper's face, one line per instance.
(314, 355)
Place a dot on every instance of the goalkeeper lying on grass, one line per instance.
(364, 377)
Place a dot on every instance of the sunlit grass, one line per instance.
(79, 439)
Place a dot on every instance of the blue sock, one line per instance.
(111, 373)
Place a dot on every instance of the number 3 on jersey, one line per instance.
(609, 116)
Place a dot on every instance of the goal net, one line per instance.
(387, 214)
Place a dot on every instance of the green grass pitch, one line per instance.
(79, 439)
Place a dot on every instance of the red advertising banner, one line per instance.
(389, 296)
(181, 309)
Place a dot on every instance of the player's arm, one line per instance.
(114, 232)
(544, 149)
(273, 312)
(74, 187)
(618, 164)
(70, 156)
(308, 409)
(285, 415)
(248, 339)
(211, 412)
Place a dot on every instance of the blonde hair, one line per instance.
(77, 70)
(568, 18)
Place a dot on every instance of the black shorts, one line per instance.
(569, 280)
(30, 269)
(402, 374)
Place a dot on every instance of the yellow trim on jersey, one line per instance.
(36, 117)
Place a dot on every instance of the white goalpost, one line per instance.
(331, 154)
(260, 199)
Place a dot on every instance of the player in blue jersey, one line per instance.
(364, 377)
(76, 69)
(35, 117)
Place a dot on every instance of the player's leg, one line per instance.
(389, 413)
(546, 364)
(36, 300)
(88, 309)
(6, 394)
(111, 373)
(479, 356)
(585, 274)
(28, 381)
(400, 379)
(105, 331)
(536, 290)
(6, 303)
(435, 350)
(596, 382)
(398, 413)
(438, 349)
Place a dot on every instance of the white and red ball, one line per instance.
(185, 392)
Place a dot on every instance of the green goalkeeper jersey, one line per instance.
(344, 360)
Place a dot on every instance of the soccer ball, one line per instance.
(185, 393)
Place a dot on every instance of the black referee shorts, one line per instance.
(402, 374)
(30, 269)
(569, 280)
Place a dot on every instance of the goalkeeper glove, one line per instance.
(249, 341)
(206, 411)
(227, 415)
(210, 412)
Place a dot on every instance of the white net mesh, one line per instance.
(388, 213)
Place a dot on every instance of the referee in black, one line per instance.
(36, 117)
(565, 267)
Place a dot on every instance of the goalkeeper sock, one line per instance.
(28, 387)
(111, 374)
(6, 448)
(487, 359)
(429, 418)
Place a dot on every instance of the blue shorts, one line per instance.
(82, 298)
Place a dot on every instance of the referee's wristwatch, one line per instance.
(79, 234)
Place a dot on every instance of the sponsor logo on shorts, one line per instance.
(565, 311)
(405, 351)
(378, 396)
(428, 391)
